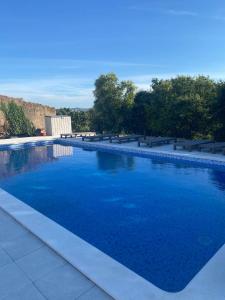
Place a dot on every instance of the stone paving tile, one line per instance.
(4, 216)
(95, 294)
(22, 245)
(40, 262)
(9, 229)
(29, 292)
(24, 258)
(63, 283)
(4, 258)
(12, 279)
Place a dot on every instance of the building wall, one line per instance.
(34, 112)
(58, 125)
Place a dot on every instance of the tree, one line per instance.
(141, 113)
(17, 122)
(181, 106)
(218, 115)
(185, 106)
(113, 103)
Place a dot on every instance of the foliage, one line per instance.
(81, 120)
(113, 104)
(141, 113)
(219, 113)
(181, 106)
(187, 107)
(17, 122)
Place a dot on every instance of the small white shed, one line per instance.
(56, 125)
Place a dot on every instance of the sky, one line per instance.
(52, 51)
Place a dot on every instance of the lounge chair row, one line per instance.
(113, 138)
(125, 138)
(99, 137)
(155, 141)
(200, 145)
(151, 141)
(116, 138)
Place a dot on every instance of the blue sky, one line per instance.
(51, 51)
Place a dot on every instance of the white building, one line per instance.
(56, 125)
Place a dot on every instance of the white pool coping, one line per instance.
(155, 152)
(15, 141)
(114, 278)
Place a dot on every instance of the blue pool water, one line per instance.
(161, 219)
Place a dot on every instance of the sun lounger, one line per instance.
(67, 135)
(212, 147)
(98, 137)
(125, 138)
(76, 134)
(155, 141)
(190, 144)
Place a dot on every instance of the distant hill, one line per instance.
(79, 109)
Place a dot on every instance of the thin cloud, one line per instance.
(73, 63)
(176, 12)
(219, 18)
(114, 63)
(58, 92)
(181, 13)
(171, 11)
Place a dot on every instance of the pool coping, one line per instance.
(142, 151)
(114, 278)
(147, 152)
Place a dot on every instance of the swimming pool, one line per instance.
(161, 219)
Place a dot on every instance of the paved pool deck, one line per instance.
(168, 149)
(30, 270)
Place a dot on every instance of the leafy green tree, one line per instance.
(17, 122)
(113, 104)
(185, 106)
(181, 106)
(218, 113)
(141, 113)
(127, 101)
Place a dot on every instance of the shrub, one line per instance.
(17, 122)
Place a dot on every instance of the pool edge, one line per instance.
(188, 157)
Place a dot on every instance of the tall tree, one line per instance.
(141, 113)
(218, 115)
(181, 106)
(113, 103)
